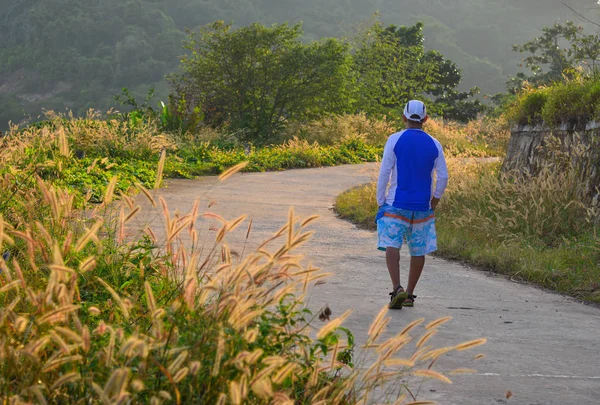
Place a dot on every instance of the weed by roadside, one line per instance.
(536, 229)
(95, 312)
(82, 155)
(485, 137)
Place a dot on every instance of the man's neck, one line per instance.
(414, 126)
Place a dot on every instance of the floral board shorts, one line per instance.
(394, 225)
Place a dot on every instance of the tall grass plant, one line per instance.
(94, 310)
(541, 228)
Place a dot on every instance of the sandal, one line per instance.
(397, 298)
(409, 301)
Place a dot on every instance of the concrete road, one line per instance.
(543, 347)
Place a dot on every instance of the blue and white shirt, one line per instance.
(409, 160)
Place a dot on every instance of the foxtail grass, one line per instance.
(88, 316)
(540, 227)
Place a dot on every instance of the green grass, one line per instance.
(533, 230)
(208, 159)
(358, 205)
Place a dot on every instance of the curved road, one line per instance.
(543, 347)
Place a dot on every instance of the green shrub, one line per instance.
(592, 100)
(574, 102)
(528, 107)
(566, 104)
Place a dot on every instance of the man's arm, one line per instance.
(387, 164)
(441, 172)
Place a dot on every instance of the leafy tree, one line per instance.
(256, 78)
(392, 66)
(555, 55)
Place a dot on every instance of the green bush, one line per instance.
(90, 177)
(575, 102)
(566, 104)
(528, 107)
(256, 78)
(592, 100)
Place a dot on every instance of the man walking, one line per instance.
(406, 208)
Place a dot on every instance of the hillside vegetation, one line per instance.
(78, 54)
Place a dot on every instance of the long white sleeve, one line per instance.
(387, 165)
(441, 172)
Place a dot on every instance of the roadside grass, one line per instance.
(96, 310)
(535, 229)
(83, 154)
(359, 205)
(485, 137)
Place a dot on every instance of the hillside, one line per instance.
(75, 54)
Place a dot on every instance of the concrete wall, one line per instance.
(530, 148)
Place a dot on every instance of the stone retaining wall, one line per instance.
(530, 148)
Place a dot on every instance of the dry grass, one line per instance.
(110, 138)
(56, 150)
(332, 130)
(481, 138)
(542, 209)
(542, 228)
(91, 314)
(546, 206)
(67, 136)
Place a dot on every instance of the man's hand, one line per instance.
(434, 203)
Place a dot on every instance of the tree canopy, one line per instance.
(257, 79)
(254, 77)
(557, 53)
(392, 66)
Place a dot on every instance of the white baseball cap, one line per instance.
(415, 111)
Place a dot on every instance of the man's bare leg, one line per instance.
(392, 258)
(416, 268)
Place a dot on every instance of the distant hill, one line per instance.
(77, 54)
